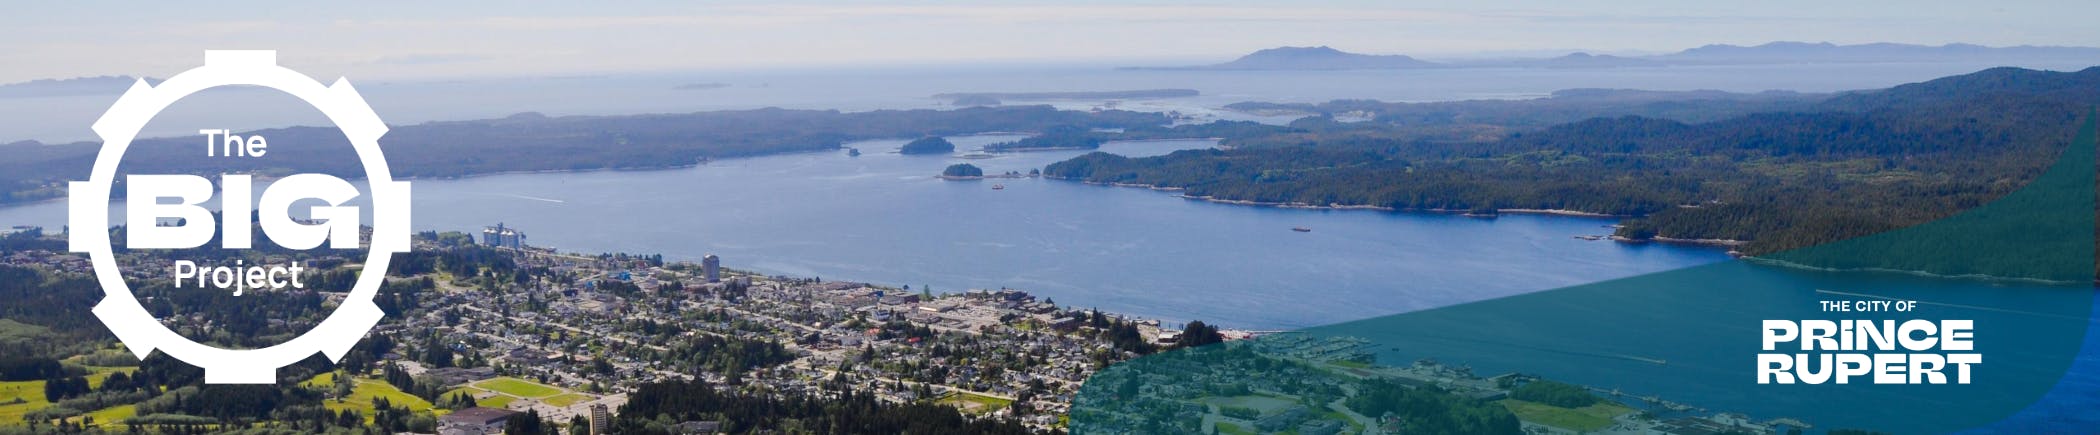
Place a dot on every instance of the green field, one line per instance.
(361, 396)
(974, 403)
(98, 374)
(19, 398)
(567, 399)
(324, 380)
(518, 387)
(1585, 419)
(497, 401)
(115, 355)
(112, 416)
(29, 393)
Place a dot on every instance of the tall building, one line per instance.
(503, 237)
(712, 267)
(601, 419)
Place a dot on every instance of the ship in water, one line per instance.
(1301, 229)
(999, 187)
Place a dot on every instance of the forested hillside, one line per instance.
(1851, 165)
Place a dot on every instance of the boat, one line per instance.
(1301, 229)
(998, 187)
(976, 155)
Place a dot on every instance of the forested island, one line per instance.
(927, 145)
(1768, 172)
(1063, 137)
(962, 171)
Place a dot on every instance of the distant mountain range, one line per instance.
(1824, 52)
(1328, 58)
(98, 85)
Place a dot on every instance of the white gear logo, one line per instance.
(89, 212)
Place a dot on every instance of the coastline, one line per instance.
(983, 177)
(1339, 206)
(1714, 243)
(1034, 149)
(1103, 143)
(1722, 243)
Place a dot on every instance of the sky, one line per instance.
(438, 40)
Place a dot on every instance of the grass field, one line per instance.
(1585, 419)
(518, 387)
(98, 374)
(30, 395)
(361, 396)
(974, 403)
(113, 416)
(499, 401)
(494, 400)
(324, 380)
(20, 398)
(116, 356)
(566, 399)
(108, 417)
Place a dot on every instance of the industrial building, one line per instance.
(475, 421)
(503, 237)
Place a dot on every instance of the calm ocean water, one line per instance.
(883, 218)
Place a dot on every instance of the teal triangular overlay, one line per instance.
(1673, 352)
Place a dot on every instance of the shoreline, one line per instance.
(1103, 143)
(1158, 321)
(1718, 243)
(1711, 243)
(981, 177)
(1339, 206)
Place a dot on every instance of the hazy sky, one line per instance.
(465, 39)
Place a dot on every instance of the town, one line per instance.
(510, 329)
(488, 332)
(596, 326)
